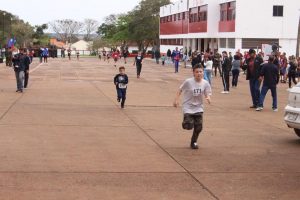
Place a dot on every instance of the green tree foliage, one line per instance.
(12, 26)
(5, 26)
(23, 32)
(39, 37)
(141, 25)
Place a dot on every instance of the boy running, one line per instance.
(121, 81)
(193, 90)
(115, 56)
(138, 61)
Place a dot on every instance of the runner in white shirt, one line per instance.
(193, 90)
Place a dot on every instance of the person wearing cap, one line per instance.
(270, 76)
(253, 73)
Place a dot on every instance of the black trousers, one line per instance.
(235, 77)
(26, 77)
(225, 80)
(138, 69)
(292, 77)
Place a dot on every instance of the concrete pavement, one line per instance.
(65, 137)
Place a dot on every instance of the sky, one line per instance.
(38, 12)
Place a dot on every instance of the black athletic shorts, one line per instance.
(192, 120)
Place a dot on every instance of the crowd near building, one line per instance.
(229, 25)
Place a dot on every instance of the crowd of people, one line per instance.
(262, 75)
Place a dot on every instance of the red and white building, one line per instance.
(229, 24)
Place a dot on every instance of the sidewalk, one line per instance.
(66, 138)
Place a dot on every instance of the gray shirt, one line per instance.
(236, 64)
(193, 93)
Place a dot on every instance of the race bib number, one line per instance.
(122, 86)
(197, 92)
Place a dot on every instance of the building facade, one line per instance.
(229, 25)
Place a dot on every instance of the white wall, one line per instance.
(176, 7)
(288, 46)
(254, 19)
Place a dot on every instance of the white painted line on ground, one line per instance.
(30, 71)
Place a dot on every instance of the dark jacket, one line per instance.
(119, 78)
(21, 62)
(169, 53)
(157, 54)
(226, 65)
(270, 73)
(257, 68)
(292, 69)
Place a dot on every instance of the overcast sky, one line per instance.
(37, 12)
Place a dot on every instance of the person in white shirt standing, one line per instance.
(194, 89)
(208, 69)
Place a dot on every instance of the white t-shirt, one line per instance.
(193, 93)
(208, 65)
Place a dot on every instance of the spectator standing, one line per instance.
(226, 68)
(236, 64)
(253, 72)
(270, 76)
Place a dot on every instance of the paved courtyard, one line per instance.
(66, 138)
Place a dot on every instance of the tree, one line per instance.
(23, 32)
(66, 29)
(144, 25)
(141, 25)
(39, 30)
(6, 20)
(109, 27)
(39, 37)
(90, 26)
(100, 43)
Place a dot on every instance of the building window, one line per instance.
(183, 16)
(222, 42)
(248, 43)
(171, 41)
(175, 16)
(223, 12)
(277, 11)
(193, 15)
(202, 13)
(231, 11)
(179, 16)
(231, 43)
(227, 11)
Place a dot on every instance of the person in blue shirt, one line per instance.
(176, 57)
(45, 55)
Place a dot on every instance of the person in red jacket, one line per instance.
(116, 56)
